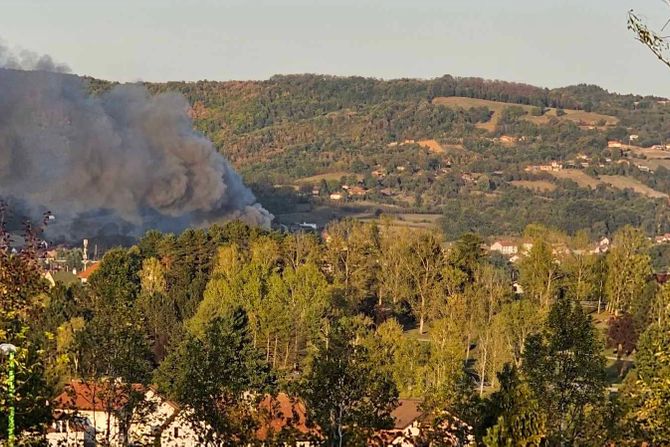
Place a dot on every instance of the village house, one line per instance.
(602, 246)
(88, 414)
(507, 248)
(507, 139)
(613, 144)
(298, 227)
(413, 427)
(560, 249)
(554, 166)
(336, 196)
(643, 168)
(74, 431)
(86, 273)
(357, 191)
(162, 419)
(88, 410)
(662, 239)
(286, 413)
(378, 173)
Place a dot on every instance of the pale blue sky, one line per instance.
(544, 42)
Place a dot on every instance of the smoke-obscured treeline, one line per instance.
(398, 312)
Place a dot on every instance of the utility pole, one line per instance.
(10, 350)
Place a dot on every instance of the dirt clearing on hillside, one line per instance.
(580, 177)
(621, 182)
(578, 116)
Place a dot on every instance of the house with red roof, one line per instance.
(96, 406)
(84, 274)
(87, 412)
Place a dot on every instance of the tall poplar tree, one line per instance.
(629, 269)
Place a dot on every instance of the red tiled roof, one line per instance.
(284, 413)
(85, 396)
(84, 274)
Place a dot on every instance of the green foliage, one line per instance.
(343, 392)
(425, 264)
(467, 253)
(582, 273)
(647, 394)
(539, 273)
(565, 370)
(21, 290)
(285, 306)
(223, 316)
(629, 267)
(516, 321)
(513, 417)
(117, 278)
(213, 376)
(352, 252)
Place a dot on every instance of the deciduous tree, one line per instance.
(565, 370)
(220, 378)
(344, 394)
(646, 394)
(629, 267)
(539, 273)
(425, 264)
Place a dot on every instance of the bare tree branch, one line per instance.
(657, 43)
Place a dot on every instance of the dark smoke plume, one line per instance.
(115, 164)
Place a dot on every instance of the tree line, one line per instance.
(350, 321)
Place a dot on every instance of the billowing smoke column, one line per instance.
(119, 163)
